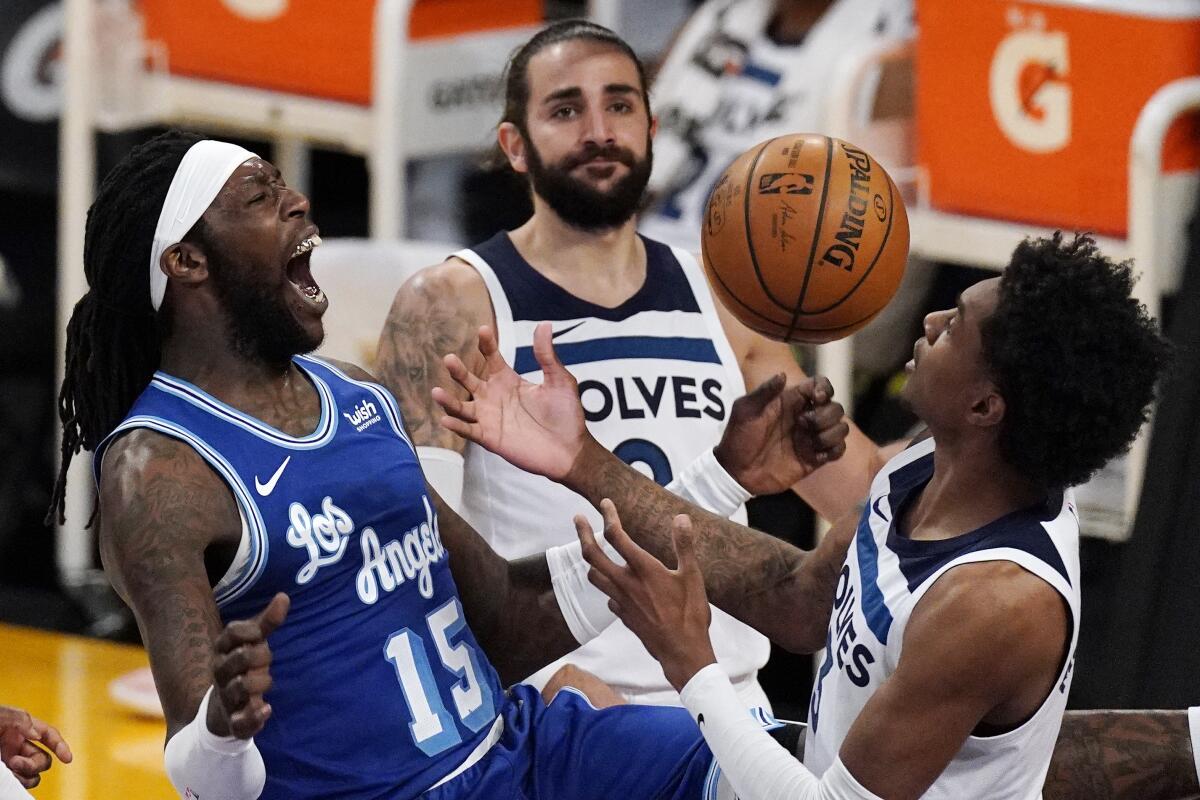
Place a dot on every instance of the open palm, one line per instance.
(537, 427)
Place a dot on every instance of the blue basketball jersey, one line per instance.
(380, 689)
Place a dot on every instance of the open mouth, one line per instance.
(299, 272)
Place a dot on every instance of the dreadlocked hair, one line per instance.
(113, 335)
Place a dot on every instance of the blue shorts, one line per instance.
(570, 750)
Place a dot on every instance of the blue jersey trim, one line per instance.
(324, 432)
(259, 543)
(620, 347)
(390, 407)
(874, 608)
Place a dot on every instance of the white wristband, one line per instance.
(10, 787)
(705, 483)
(1194, 727)
(584, 607)
(206, 765)
(444, 470)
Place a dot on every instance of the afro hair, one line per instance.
(1075, 356)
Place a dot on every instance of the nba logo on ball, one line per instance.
(805, 238)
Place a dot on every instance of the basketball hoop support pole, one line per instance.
(1145, 190)
(77, 177)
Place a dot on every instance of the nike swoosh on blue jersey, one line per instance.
(265, 489)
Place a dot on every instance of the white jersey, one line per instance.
(657, 378)
(726, 86)
(884, 578)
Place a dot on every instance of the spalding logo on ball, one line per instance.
(805, 238)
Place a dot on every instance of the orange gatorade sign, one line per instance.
(1025, 110)
(320, 48)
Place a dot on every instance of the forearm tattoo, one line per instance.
(153, 540)
(748, 574)
(1123, 755)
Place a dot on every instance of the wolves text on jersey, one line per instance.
(326, 535)
(851, 656)
(841, 645)
(635, 398)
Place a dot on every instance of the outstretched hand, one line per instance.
(666, 608)
(779, 434)
(22, 739)
(241, 672)
(537, 427)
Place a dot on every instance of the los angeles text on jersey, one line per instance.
(640, 398)
(325, 536)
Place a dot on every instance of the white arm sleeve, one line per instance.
(10, 787)
(1194, 728)
(584, 607)
(704, 482)
(444, 471)
(755, 765)
(213, 766)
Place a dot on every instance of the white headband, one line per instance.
(204, 169)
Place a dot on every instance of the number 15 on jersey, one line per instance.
(432, 727)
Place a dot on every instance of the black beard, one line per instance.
(578, 204)
(261, 328)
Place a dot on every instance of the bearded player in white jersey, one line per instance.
(658, 361)
(950, 608)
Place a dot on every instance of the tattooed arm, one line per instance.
(1123, 755)
(540, 428)
(747, 574)
(437, 311)
(163, 513)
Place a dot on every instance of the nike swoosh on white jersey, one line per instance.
(265, 489)
(567, 329)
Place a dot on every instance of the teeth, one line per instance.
(307, 245)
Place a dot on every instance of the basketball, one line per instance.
(805, 238)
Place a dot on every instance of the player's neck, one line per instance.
(605, 267)
(206, 358)
(971, 486)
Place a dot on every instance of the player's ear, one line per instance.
(653, 125)
(513, 144)
(184, 262)
(988, 410)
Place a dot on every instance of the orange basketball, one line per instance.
(805, 238)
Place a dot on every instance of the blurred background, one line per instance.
(998, 119)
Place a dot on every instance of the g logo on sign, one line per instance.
(257, 10)
(30, 70)
(1029, 94)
